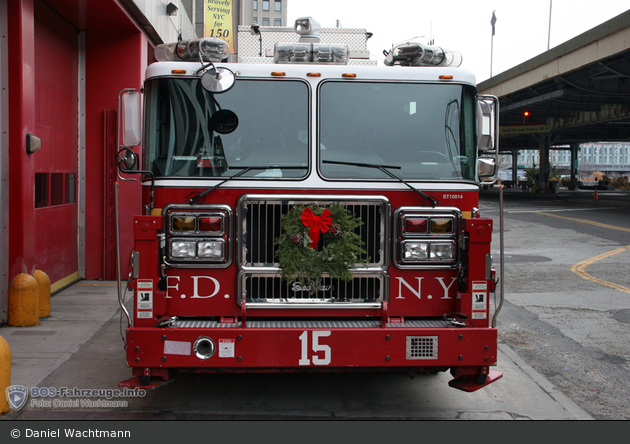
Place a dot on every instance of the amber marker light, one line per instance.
(278, 73)
(441, 226)
(313, 74)
(445, 77)
(183, 223)
(178, 71)
(348, 75)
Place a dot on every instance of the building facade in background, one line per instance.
(62, 66)
(264, 12)
(610, 158)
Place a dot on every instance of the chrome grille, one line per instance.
(272, 288)
(260, 225)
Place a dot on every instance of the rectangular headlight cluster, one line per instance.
(198, 237)
(426, 238)
(197, 249)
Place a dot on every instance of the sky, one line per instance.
(522, 29)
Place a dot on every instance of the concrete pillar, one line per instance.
(515, 168)
(543, 178)
(574, 165)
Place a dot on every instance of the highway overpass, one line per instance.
(574, 93)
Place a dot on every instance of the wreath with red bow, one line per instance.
(317, 240)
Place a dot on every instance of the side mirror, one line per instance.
(129, 109)
(486, 167)
(217, 80)
(127, 159)
(487, 123)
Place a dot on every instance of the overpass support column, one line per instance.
(515, 168)
(574, 165)
(543, 178)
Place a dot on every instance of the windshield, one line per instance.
(423, 131)
(271, 137)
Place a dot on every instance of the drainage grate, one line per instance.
(422, 347)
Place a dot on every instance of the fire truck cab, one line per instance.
(308, 215)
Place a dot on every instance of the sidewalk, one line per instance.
(77, 313)
(80, 345)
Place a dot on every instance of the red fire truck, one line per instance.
(309, 215)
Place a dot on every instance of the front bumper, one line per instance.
(311, 345)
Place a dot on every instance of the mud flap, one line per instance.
(150, 379)
(471, 383)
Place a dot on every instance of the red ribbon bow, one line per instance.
(317, 224)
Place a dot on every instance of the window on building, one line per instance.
(265, 5)
(70, 195)
(277, 22)
(265, 21)
(41, 190)
(277, 5)
(54, 189)
(255, 3)
(254, 20)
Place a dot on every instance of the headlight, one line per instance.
(442, 251)
(183, 249)
(415, 251)
(210, 249)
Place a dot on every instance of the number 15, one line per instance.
(316, 347)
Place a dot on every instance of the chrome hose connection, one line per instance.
(204, 347)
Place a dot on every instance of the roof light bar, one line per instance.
(207, 49)
(417, 54)
(323, 53)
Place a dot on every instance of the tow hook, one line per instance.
(166, 322)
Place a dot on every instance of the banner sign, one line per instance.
(514, 130)
(218, 21)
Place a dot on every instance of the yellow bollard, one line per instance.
(23, 301)
(43, 282)
(5, 374)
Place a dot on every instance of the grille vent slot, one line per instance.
(422, 347)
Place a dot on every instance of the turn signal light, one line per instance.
(183, 223)
(441, 226)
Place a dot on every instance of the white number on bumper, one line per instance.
(316, 347)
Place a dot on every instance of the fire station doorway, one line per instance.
(56, 164)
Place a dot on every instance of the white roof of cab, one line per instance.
(401, 73)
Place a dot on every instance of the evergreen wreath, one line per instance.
(319, 240)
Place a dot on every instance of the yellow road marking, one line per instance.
(584, 221)
(580, 267)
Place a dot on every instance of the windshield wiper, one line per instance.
(383, 168)
(245, 169)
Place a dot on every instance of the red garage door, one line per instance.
(56, 163)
